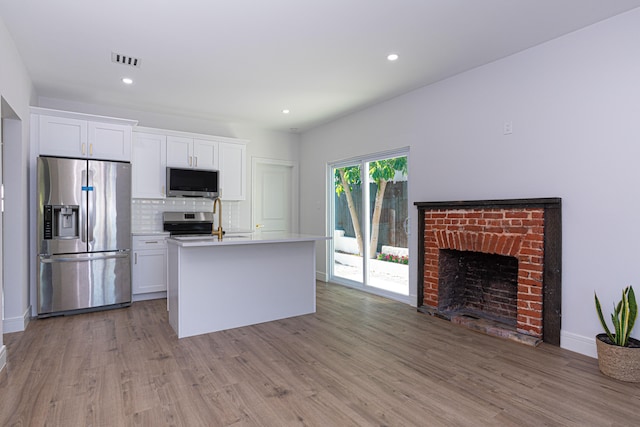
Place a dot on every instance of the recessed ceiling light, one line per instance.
(392, 56)
(127, 81)
(285, 111)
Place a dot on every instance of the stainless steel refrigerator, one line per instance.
(84, 225)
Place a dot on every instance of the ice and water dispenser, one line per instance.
(61, 222)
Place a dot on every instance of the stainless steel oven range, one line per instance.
(187, 223)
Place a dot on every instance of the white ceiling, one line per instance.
(247, 60)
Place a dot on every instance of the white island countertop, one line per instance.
(242, 239)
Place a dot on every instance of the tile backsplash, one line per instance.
(146, 214)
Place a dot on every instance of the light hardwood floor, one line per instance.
(360, 360)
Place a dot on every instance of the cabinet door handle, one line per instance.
(84, 148)
(136, 258)
(196, 157)
(163, 193)
(190, 162)
(91, 149)
(151, 242)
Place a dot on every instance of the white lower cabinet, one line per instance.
(149, 264)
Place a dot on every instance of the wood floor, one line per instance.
(359, 361)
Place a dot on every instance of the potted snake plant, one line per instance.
(618, 353)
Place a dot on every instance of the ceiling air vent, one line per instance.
(125, 60)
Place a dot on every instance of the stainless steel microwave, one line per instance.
(192, 183)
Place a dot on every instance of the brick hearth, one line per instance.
(528, 230)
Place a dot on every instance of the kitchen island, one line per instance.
(238, 281)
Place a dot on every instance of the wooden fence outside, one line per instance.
(393, 218)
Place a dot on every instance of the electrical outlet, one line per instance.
(508, 128)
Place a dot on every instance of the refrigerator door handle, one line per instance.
(91, 207)
(83, 207)
(47, 259)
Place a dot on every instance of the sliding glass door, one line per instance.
(369, 218)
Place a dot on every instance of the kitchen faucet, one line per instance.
(218, 232)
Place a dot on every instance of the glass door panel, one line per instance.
(387, 265)
(347, 214)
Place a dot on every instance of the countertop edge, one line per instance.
(253, 240)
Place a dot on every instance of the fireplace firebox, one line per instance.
(478, 285)
(493, 265)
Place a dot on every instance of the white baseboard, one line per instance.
(578, 343)
(148, 296)
(16, 324)
(321, 276)
(3, 357)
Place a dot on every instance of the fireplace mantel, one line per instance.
(548, 202)
(448, 232)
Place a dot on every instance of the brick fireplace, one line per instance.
(493, 265)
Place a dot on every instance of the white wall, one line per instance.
(17, 92)
(575, 108)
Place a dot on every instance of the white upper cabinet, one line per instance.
(189, 151)
(109, 141)
(179, 152)
(205, 154)
(233, 174)
(61, 133)
(149, 161)
(62, 136)
(184, 152)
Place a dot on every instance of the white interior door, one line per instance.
(275, 189)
